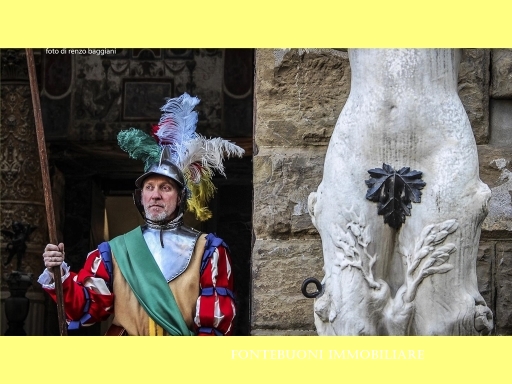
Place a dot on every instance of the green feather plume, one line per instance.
(140, 146)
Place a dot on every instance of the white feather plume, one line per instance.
(209, 153)
(178, 122)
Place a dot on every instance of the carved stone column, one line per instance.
(21, 192)
(401, 203)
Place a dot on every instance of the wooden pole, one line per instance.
(43, 159)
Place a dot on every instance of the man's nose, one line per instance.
(155, 194)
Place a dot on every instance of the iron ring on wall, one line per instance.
(312, 295)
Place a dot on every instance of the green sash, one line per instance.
(141, 271)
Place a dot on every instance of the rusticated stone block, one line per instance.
(278, 270)
(496, 172)
(493, 160)
(501, 69)
(282, 184)
(504, 288)
(484, 267)
(501, 123)
(474, 90)
(299, 95)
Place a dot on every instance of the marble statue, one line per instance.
(400, 205)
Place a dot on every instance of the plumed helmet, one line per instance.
(175, 150)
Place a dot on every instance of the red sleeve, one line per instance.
(216, 305)
(85, 305)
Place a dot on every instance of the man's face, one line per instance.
(160, 197)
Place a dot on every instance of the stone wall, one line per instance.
(299, 95)
(495, 154)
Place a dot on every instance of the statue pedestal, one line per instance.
(17, 305)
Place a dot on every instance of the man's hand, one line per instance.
(53, 255)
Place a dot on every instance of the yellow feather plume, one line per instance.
(201, 193)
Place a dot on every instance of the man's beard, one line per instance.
(157, 217)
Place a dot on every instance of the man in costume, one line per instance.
(163, 278)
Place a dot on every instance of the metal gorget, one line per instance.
(178, 245)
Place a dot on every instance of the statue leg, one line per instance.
(355, 292)
(439, 246)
